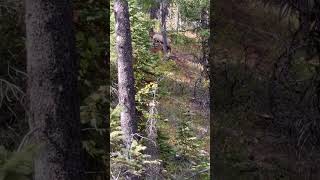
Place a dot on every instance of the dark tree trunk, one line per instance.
(213, 133)
(164, 13)
(53, 89)
(154, 13)
(125, 71)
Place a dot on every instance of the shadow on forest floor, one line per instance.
(248, 142)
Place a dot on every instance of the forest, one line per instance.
(166, 126)
(159, 89)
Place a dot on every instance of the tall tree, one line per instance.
(164, 12)
(53, 89)
(212, 76)
(125, 71)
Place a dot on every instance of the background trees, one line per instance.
(167, 147)
(181, 122)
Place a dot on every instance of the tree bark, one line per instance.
(164, 13)
(213, 145)
(53, 89)
(125, 71)
(125, 75)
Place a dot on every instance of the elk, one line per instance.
(157, 42)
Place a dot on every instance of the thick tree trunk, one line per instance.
(125, 74)
(125, 71)
(53, 89)
(164, 13)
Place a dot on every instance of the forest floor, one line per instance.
(186, 105)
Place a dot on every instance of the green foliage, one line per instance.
(144, 95)
(92, 111)
(17, 165)
(180, 39)
(189, 146)
(92, 115)
(190, 10)
(123, 161)
(149, 72)
(91, 28)
(144, 60)
(91, 23)
(12, 73)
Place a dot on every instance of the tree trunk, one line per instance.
(164, 13)
(53, 90)
(154, 13)
(125, 75)
(125, 71)
(178, 19)
(213, 132)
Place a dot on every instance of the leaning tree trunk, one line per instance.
(54, 114)
(164, 13)
(125, 71)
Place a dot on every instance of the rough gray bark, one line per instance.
(125, 74)
(53, 89)
(125, 71)
(164, 13)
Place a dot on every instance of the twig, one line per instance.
(26, 137)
